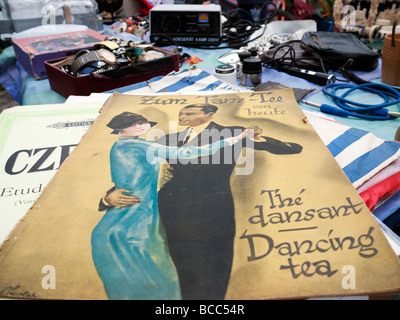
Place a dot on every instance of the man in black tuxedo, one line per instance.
(196, 204)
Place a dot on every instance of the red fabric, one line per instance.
(301, 10)
(143, 12)
(381, 190)
(149, 5)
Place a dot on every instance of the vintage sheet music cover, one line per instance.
(34, 141)
(230, 196)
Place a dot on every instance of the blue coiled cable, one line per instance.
(389, 95)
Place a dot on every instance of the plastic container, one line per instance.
(26, 14)
(226, 73)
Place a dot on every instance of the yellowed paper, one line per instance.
(299, 228)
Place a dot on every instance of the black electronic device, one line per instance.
(319, 78)
(185, 24)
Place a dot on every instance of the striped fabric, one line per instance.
(382, 175)
(372, 165)
(372, 154)
(185, 80)
(359, 153)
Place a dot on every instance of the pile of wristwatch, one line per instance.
(109, 55)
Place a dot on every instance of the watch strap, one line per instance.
(106, 44)
(84, 60)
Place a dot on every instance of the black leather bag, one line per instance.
(340, 50)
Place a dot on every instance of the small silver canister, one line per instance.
(251, 72)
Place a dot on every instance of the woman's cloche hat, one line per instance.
(125, 120)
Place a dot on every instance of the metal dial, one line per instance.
(107, 56)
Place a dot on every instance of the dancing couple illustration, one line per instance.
(173, 242)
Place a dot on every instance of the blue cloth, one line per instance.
(11, 77)
(129, 245)
(388, 207)
(21, 86)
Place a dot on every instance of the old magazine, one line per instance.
(230, 196)
(34, 141)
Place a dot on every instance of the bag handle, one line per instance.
(394, 29)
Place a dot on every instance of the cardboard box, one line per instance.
(32, 52)
(67, 84)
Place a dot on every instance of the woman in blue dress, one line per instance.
(129, 246)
